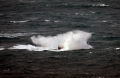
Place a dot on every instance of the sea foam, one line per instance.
(72, 40)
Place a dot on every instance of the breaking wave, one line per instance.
(72, 40)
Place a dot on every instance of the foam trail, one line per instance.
(29, 47)
(71, 40)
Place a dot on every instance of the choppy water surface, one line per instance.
(22, 19)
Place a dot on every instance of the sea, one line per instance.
(21, 20)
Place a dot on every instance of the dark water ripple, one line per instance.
(21, 19)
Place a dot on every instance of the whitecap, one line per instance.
(104, 21)
(2, 48)
(19, 21)
(47, 20)
(56, 21)
(28, 47)
(117, 48)
(101, 5)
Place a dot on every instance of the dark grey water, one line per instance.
(21, 19)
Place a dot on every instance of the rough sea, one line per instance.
(23, 20)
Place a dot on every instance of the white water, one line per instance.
(28, 47)
(2, 48)
(72, 40)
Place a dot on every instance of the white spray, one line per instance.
(71, 40)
